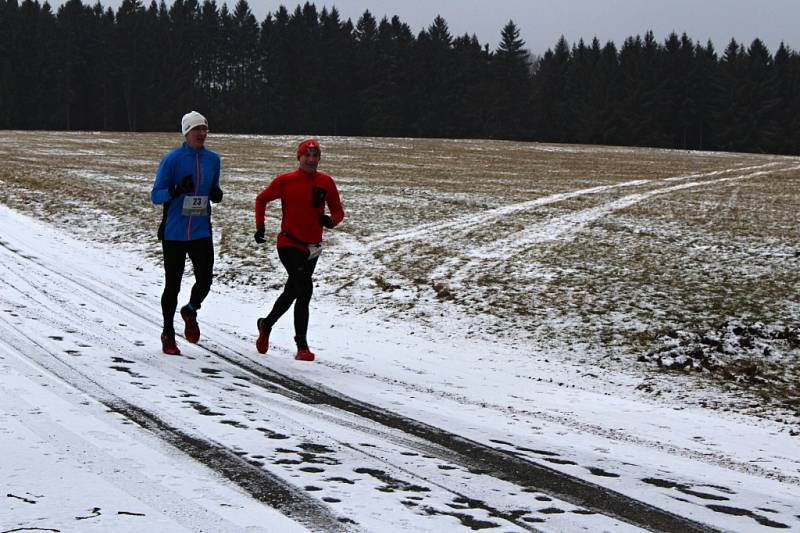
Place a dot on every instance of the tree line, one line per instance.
(308, 71)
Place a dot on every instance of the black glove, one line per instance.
(186, 185)
(326, 221)
(215, 195)
(259, 236)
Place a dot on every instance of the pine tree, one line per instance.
(276, 67)
(130, 26)
(9, 85)
(511, 74)
(437, 93)
(676, 94)
(728, 126)
(702, 76)
(550, 99)
(476, 116)
(607, 83)
(385, 111)
(787, 71)
(34, 75)
(182, 56)
(640, 90)
(366, 70)
(337, 55)
(748, 99)
(211, 76)
(74, 68)
(237, 105)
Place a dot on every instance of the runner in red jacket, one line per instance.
(304, 193)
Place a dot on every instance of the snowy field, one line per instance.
(488, 321)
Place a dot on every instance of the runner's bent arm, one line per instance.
(164, 179)
(334, 203)
(270, 193)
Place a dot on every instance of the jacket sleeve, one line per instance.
(164, 178)
(215, 191)
(270, 193)
(334, 203)
(215, 179)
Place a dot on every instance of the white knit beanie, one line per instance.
(192, 120)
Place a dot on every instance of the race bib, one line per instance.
(314, 250)
(195, 206)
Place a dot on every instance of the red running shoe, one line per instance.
(262, 343)
(168, 345)
(304, 354)
(192, 329)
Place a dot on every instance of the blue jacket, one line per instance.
(203, 165)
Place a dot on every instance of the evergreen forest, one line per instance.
(308, 71)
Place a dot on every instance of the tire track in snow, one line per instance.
(294, 503)
(359, 250)
(221, 457)
(498, 463)
(65, 441)
(467, 223)
(235, 468)
(258, 483)
(611, 434)
(566, 226)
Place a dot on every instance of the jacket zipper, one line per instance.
(196, 186)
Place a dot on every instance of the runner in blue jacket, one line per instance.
(186, 183)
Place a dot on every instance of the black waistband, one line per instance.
(298, 241)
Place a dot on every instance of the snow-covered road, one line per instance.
(394, 428)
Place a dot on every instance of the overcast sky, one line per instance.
(542, 22)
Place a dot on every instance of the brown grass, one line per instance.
(682, 259)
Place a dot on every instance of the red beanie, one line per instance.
(305, 145)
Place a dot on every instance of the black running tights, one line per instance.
(298, 289)
(201, 254)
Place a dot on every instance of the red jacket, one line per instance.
(303, 198)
